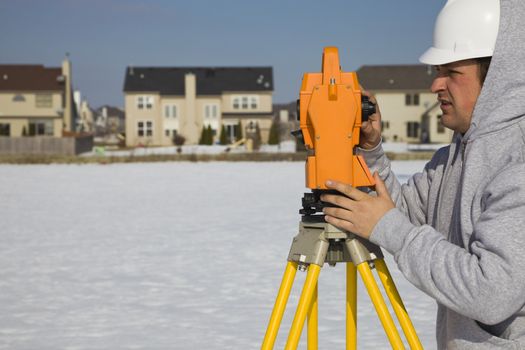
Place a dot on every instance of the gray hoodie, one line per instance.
(458, 232)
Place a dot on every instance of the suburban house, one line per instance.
(161, 102)
(110, 120)
(410, 112)
(286, 115)
(86, 116)
(110, 126)
(36, 100)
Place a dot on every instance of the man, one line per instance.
(457, 229)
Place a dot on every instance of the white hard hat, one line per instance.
(464, 29)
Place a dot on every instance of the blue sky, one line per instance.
(103, 37)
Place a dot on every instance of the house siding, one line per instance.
(390, 85)
(191, 110)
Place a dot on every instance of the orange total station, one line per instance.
(331, 110)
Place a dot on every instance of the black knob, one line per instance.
(299, 135)
(367, 108)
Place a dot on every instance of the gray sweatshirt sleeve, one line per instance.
(485, 280)
(411, 199)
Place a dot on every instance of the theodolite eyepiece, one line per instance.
(367, 108)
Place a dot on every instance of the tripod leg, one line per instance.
(397, 304)
(351, 307)
(304, 302)
(380, 306)
(280, 305)
(312, 340)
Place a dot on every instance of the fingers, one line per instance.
(344, 225)
(367, 128)
(377, 115)
(339, 201)
(380, 185)
(347, 190)
(371, 97)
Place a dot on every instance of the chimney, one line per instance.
(191, 126)
(68, 95)
(283, 116)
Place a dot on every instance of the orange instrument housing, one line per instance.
(330, 119)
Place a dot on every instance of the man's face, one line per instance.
(458, 87)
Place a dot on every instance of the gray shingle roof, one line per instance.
(210, 80)
(396, 77)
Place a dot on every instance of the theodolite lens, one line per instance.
(367, 108)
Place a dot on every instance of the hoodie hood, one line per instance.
(502, 99)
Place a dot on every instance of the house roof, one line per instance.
(210, 80)
(396, 77)
(111, 111)
(30, 78)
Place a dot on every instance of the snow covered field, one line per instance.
(164, 256)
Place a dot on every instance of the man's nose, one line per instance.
(438, 84)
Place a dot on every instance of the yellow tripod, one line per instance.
(319, 242)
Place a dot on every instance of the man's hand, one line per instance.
(371, 129)
(358, 212)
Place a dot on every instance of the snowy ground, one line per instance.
(164, 256)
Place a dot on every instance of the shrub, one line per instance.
(273, 139)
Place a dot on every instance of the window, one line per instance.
(211, 111)
(252, 126)
(385, 125)
(412, 129)
(19, 98)
(5, 129)
(145, 102)
(170, 111)
(41, 127)
(43, 100)
(145, 128)
(172, 132)
(231, 131)
(245, 102)
(412, 99)
(253, 102)
(440, 126)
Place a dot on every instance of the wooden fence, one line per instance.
(46, 145)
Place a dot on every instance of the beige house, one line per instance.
(410, 112)
(36, 100)
(163, 102)
(86, 117)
